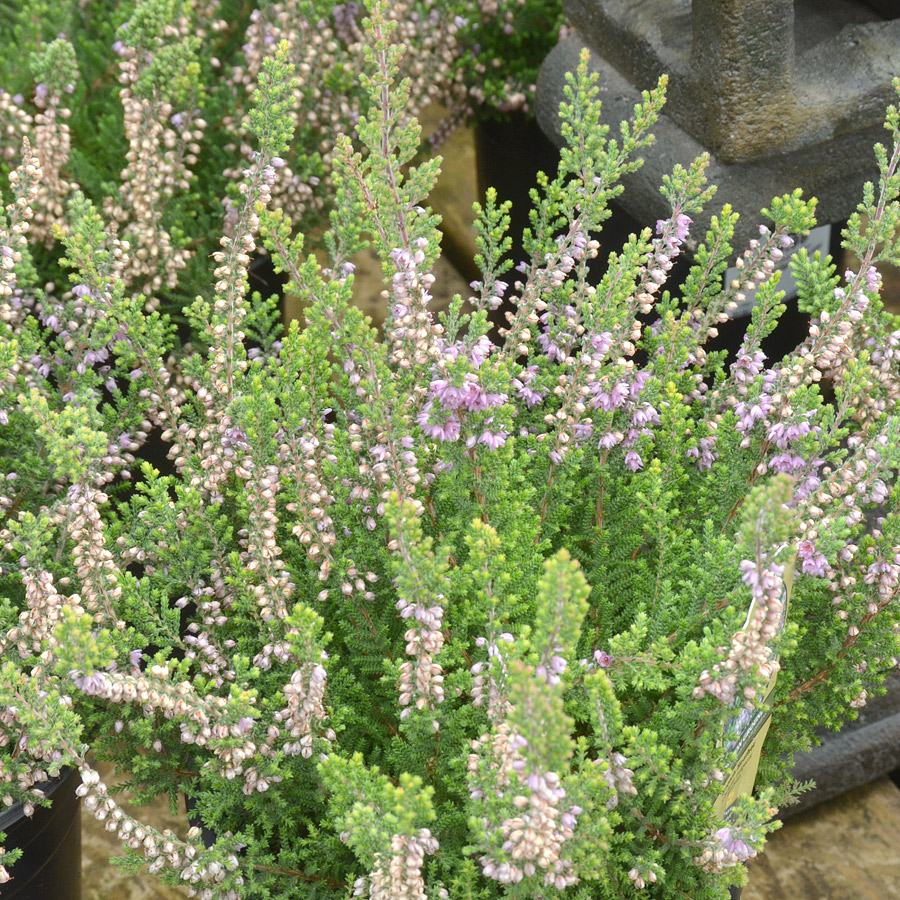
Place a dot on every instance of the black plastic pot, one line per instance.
(208, 837)
(50, 865)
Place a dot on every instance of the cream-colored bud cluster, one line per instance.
(39, 753)
(431, 50)
(202, 718)
(118, 458)
(213, 463)
(309, 42)
(429, 59)
(533, 839)
(572, 248)
(234, 761)
(751, 647)
(162, 848)
(490, 764)
(159, 159)
(884, 368)
(32, 636)
(94, 563)
(835, 340)
(204, 646)
(232, 282)
(655, 271)
(183, 437)
(15, 126)
(395, 466)
(298, 721)
(489, 681)
(573, 387)
(756, 265)
(25, 182)
(411, 335)
(641, 877)
(53, 143)
(834, 350)
(619, 778)
(302, 458)
(844, 488)
(724, 850)
(879, 569)
(35, 772)
(421, 681)
(399, 876)
(263, 554)
(716, 860)
(35, 623)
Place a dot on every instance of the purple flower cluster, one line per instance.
(452, 396)
(599, 658)
(555, 340)
(673, 231)
(738, 848)
(624, 395)
(94, 685)
(551, 672)
(812, 562)
(886, 574)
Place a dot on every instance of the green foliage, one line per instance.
(421, 614)
(72, 441)
(56, 66)
(270, 120)
(193, 65)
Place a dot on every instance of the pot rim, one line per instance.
(14, 814)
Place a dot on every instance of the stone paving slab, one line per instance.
(846, 849)
(103, 881)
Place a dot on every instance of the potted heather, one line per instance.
(432, 614)
(141, 105)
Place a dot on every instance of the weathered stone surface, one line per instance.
(781, 93)
(834, 172)
(742, 53)
(847, 849)
(752, 78)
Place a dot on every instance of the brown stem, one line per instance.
(821, 676)
(302, 876)
(598, 512)
(764, 449)
(448, 637)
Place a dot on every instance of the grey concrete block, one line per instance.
(781, 93)
(835, 173)
(751, 79)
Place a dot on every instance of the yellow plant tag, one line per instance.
(751, 725)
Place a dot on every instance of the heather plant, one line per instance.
(431, 615)
(141, 105)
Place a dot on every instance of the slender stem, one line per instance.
(300, 875)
